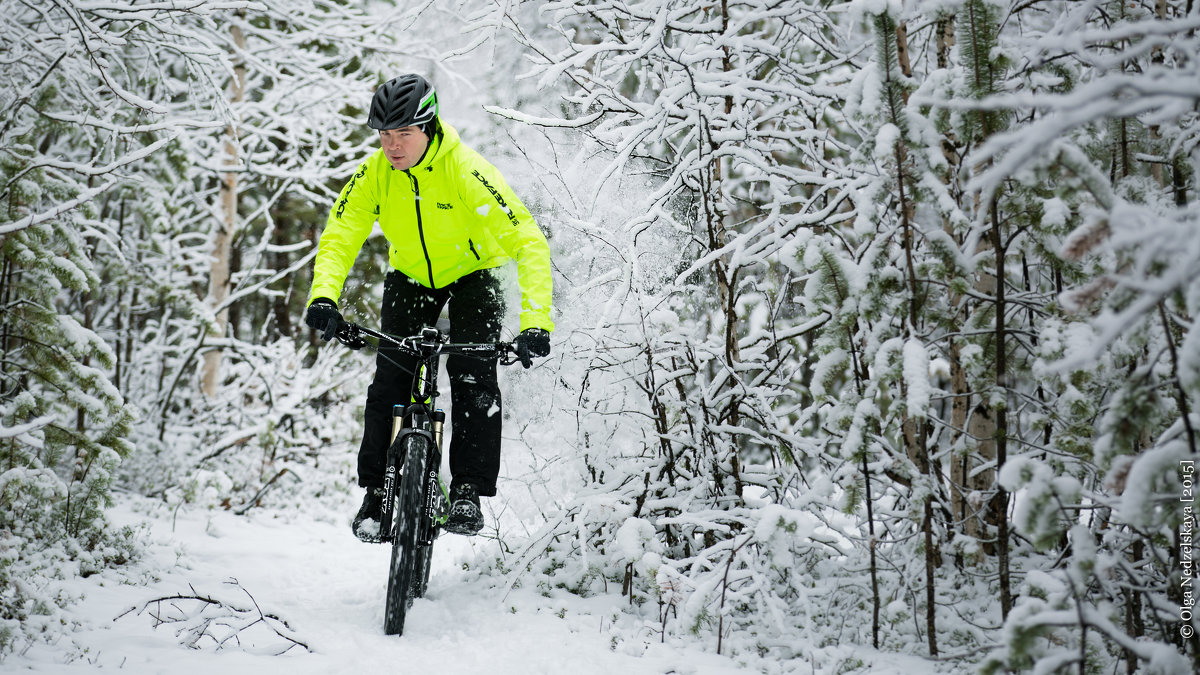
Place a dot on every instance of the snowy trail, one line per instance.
(328, 587)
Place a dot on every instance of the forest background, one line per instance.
(878, 309)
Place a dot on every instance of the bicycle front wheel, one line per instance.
(420, 579)
(406, 549)
(425, 559)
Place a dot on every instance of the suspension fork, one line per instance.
(430, 422)
(391, 475)
(433, 485)
(418, 419)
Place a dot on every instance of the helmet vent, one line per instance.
(404, 101)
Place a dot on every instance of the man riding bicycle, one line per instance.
(451, 220)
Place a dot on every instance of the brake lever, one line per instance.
(508, 354)
(525, 359)
(350, 335)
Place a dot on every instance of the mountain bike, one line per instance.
(416, 501)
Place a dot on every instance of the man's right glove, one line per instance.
(323, 315)
(532, 342)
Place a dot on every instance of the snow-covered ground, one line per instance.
(328, 588)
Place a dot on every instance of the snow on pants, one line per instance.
(476, 313)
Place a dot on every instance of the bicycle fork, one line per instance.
(390, 475)
(433, 485)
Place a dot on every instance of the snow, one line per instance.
(328, 588)
(916, 377)
(885, 143)
(1155, 473)
(636, 537)
(325, 590)
(875, 7)
(18, 430)
(526, 118)
(319, 589)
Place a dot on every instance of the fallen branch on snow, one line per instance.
(202, 621)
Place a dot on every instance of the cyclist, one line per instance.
(450, 220)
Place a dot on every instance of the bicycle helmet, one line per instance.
(404, 101)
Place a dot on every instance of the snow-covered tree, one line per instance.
(957, 189)
(84, 107)
(120, 122)
(229, 402)
(691, 422)
(993, 187)
(1117, 340)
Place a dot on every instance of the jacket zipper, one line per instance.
(472, 245)
(421, 228)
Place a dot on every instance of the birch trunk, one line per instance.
(219, 272)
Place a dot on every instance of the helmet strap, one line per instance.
(431, 128)
(434, 138)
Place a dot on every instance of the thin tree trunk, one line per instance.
(1179, 176)
(914, 428)
(726, 278)
(1000, 512)
(930, 568)
(281, 303)
(1134, 625)
(134, 324)
(219, 273)
(875, 603)
(6, 273)
(945, 40)
(902, 51)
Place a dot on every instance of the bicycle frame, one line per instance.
(419, 415)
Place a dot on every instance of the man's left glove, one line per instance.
(532, 342)
(323, 315)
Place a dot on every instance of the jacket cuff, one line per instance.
(536, 320)
(330, 294)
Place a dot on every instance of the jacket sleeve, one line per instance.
(520, 237)
(350, 221)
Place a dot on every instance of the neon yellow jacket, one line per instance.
(448, 216)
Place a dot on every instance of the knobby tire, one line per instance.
(406, 555)
(420, 578)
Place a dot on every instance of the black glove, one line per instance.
(323, 315)
(532, 342)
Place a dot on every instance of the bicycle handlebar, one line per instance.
(432, 342)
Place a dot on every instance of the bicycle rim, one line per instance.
(405, 551)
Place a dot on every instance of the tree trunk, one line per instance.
(219, 272)
(716, 214)
(281, 303)
(875, 601)
(1000, 510)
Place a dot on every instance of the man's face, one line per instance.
(404, 146)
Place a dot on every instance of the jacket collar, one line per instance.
(439, 147)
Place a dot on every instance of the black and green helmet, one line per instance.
(404, 101)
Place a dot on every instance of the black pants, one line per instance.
(476, 313)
